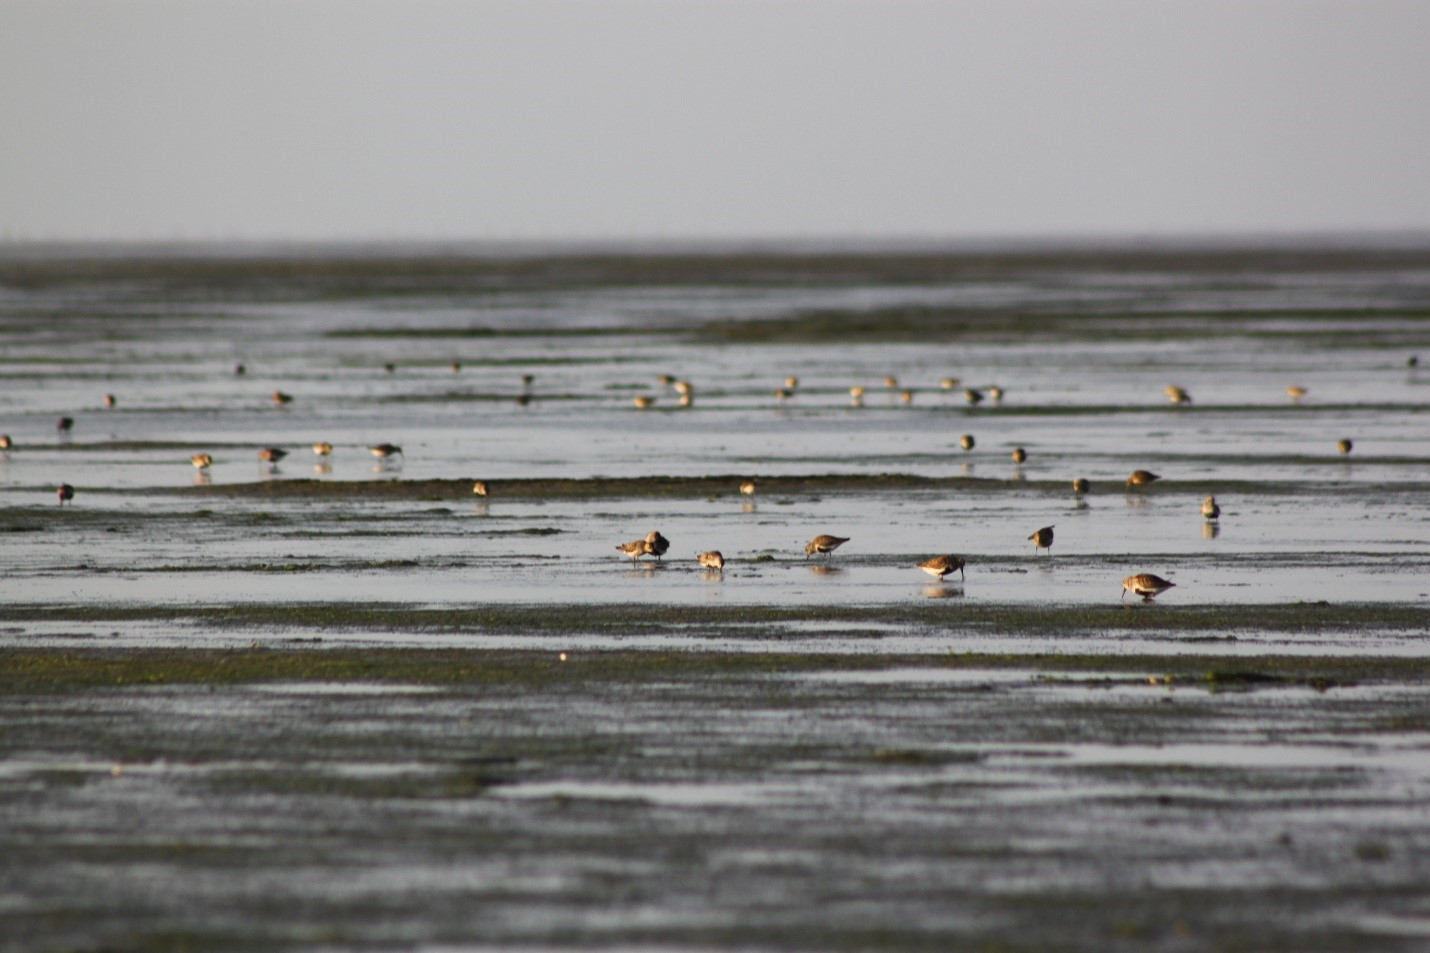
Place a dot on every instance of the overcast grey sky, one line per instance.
(640, 119)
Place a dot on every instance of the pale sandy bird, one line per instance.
(973, 396)
(824, 545)
(110, 400)
(456, 367)
(202, 461)
(1019, 455)
(857, 392)
(1042, 539)
(5, 442)
(65, 492)
(783, 393)
(323, 449)
(941, 566)
(1176, 394)
(1344, 446)
(1146, 585)
(1081, 486)
(966, 441)
(712, 559)
(949, 383)
(636, 548)
(685, 400)
(64, 424)
(385, 450)
(995, 393)
(891, 382)
(280, 398)
(748, 488)
(1295, 392)
(1142, 478)
(666, 380)
(642, 401)
(480, 488)
(792, 382)
(1209, 508)
(271, 454)
(907, 396)
(659, 545)
(684, 388)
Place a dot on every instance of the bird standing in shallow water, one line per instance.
(1209, 508)
(1146, 585)
(271, 455)
(1019, 455)
(480, 488)
(941, 566)
(1141, 478)
(323, 449)
(280, 398)
(658, 543)
(1176, 394)
(64, 424)
(824, 544)
(1042, 539)
(966, 442)
(1296, 392)
(1344, 446)
(1081, 487)
(202, 461)
(636, 548)
(65, 492)
(748, 488)
(385, 450)
(712, 559)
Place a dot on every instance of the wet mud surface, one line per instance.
(344, 703)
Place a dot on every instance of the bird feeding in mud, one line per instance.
(385, 451)
(1042, 539)
(271, 455)
(824, 545)
(1141, 478)
(1146, 585)
(941, 566)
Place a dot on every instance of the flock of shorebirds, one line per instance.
(1146, 585)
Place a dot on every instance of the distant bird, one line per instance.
(642, 401)
(783, 394)
(712, 559)
(239, 370)
(5, 442)
(384, 451)
(109, 400)
(323, 449)
(1042, 539)
(974, 397)
(1146, 585)
(949, 383)
(666, 380)
(995, 393)
(65, 493)
(891, 382)
(824, 545)
(907, 396)
(856, 396)
(1019, 455)
(1142, 478)
(966, 441)
(686, 400)
(1081, 487)
(792, 382)
(748, 488)
(1176, 394)
(1413, 361)
(659, 545)
(527, 380)
(1344, 445)
(271, 455)
(1295, 392)
(684, 388)
(480, 488)
(636, 548)
(456, 367)
(1209, 508)
(941, 566)
(202, 461)
(389, 367)
(280, 398)
(64, 424)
